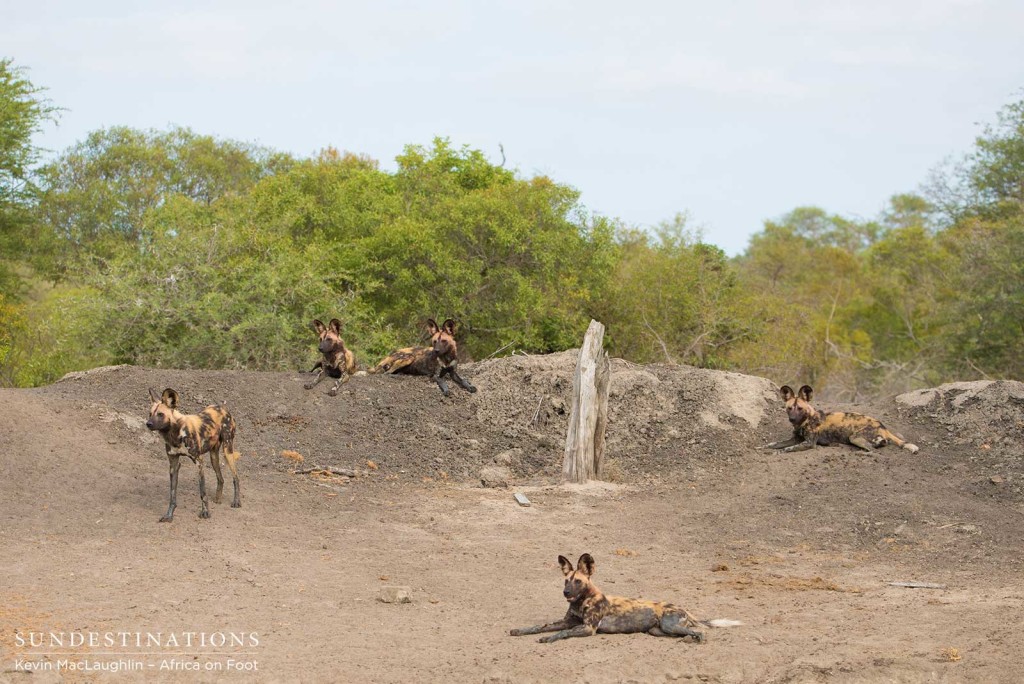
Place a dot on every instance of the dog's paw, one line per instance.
(309, 385)
(204, 514)
(236, 504)
(167, 518)
(332, 392)
(514, 632)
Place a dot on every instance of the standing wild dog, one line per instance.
(437, 360)
(338, 362)
(812, 427)
(591, 612)
(194, 435)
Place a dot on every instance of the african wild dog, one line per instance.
(194, 435)
(591, 612)
(338, 362)
(437, 360)
(812, 427)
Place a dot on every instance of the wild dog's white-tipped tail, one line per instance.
(722, 622)
(912, 448)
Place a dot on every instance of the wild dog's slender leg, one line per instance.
(173, 460)
(680, 625)
(231, 457)
(654, 631)
(891, 436)
(205, 512)
(215, 462)
(550, 627)
(783, 444)
(439, 379)
(462, 382)
(577, 631)
(803, 446)
(862, 442)
(319, 368)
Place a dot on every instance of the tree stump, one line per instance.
(584, 443)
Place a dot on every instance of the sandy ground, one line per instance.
(800, 547)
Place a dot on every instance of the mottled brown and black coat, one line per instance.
(812, 427)
(193, 435)
(591, 612)
(338, 361)
(438, 360)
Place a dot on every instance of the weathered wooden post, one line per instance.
(584, 443)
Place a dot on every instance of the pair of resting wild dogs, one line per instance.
(591, 612)
(194, 435)
(438, 360)
(812, 427)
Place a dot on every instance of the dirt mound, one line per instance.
(658, 415)
(986, 411)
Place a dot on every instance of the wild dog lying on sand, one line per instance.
(437, 360)
(812, 427)
(192, 436)
(339, 362)
(591, 612)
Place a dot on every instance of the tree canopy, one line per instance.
(176, 249)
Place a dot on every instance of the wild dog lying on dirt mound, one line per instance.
(591, 612)
(438, 360)
(812, 427)
(339, 362)
(192, 436)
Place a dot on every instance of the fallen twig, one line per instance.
(918, 585)
(344, 472)
(498, 351)
(537, 412)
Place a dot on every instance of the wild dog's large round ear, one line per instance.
(432, 326)
(806, 392)
(318, 326)
(170, 397)
(335, 326)
(585, 564)
(448, 326)
(566, 566)
(787, 392)
(153, 395)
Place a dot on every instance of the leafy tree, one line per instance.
(985, 329)
(672, 298)
(982, 198)
(996, 170)
(23, 112)
(907, 280)
(99, 191)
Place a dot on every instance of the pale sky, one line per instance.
(734, 112)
